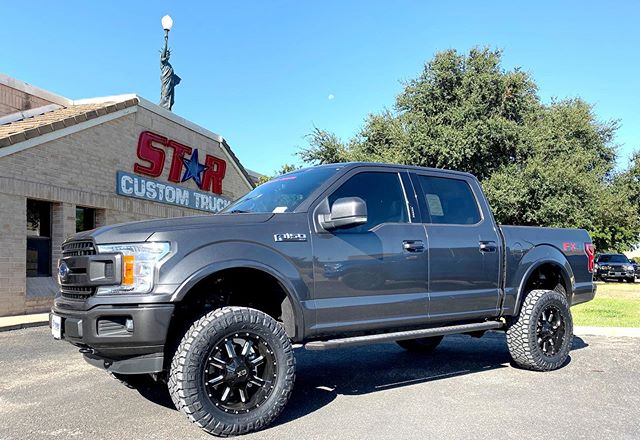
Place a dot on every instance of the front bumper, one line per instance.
(126, 339)
(615, 273)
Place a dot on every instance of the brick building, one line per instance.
(71, 165)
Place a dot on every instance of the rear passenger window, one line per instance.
(383, 194)
(449, 201)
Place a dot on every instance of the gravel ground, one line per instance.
(466, 389)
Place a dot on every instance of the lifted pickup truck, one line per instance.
(330, 256)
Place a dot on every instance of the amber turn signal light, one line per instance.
(127, 269)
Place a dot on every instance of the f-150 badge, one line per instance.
(290, 237)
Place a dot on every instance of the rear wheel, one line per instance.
(233, 371)
(540, 337)
(421, 345)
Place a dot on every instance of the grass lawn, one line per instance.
(615, 305)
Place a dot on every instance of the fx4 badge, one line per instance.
(290, 237)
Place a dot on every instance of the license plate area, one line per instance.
(56, 326)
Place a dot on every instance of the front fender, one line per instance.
(516, 278)
(212, 258)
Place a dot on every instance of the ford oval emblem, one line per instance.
(63, 270)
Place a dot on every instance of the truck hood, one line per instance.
(142, 230)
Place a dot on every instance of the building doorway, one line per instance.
(38, 238)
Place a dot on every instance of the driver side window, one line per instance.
(382, 192)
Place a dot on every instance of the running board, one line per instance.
(398, 336)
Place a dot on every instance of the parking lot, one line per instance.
(466, 389)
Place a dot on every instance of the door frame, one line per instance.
(486, 215)
(317, 204)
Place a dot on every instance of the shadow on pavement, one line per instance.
(321, 376)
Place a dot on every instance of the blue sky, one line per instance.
(262, 73)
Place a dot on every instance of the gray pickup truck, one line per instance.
(332, 256)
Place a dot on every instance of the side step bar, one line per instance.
(397, 336)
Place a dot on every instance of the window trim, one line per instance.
(426, 214)
(322, 199)
(42, 238)
(93, 215)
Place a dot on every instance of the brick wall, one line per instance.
(13, 100)
(80, 169)
(63, 226)
(13, 250)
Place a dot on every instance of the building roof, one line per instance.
(31, 126)
(55, 118)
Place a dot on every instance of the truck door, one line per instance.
(373, 275)
(464, 250)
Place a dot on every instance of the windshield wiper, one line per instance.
(238, 211)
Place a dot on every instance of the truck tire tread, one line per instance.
(181, 382)
(521, 333)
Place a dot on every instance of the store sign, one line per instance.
(153, 150)
(184, 166)
(131, 185)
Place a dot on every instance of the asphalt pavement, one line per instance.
(465, 390)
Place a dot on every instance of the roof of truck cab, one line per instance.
(351, 165)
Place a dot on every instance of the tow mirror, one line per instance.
(346, 212)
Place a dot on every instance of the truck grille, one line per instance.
(78, 248)
(73, 292)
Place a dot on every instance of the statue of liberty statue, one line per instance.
(168, 79)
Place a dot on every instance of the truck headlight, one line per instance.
(628, 267)
(139, 262)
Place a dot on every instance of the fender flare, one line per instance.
(541, 255)
(294, 325)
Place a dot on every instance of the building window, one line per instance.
(38, 238)
(85, 218)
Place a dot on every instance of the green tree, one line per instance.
(547, 165)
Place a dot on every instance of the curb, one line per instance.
(628, 332)
(9, 323)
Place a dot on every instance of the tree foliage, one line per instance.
(540, 164)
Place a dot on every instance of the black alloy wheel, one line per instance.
(233, 371)
(550, 331)
(240, 372)
(540, 336)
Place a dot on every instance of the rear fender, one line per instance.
(531, 261)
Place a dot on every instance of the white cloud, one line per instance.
(330, 97)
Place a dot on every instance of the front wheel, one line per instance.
(540, 337)
(233, 372)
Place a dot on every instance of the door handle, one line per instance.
(413, 245)
(488, 246)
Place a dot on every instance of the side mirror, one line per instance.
(346, 212)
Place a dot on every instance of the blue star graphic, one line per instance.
(194, 169)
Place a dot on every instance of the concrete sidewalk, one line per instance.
(23, 321)
(607, 331)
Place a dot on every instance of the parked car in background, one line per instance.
(636, 267)
(615, 267)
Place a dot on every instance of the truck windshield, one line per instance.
(283, 193)
(612, 259)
